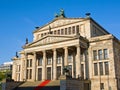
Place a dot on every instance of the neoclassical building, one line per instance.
(86, 48)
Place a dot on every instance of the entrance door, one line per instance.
(49, 73)
(58, 71)
(39, 74)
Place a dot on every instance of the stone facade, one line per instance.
(90, 52)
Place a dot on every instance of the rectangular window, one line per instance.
(58, 59)
(101, 68)
(48, 60)
(62, 32)
(101, 86)
(73, 30)
(100, 54)
(58, 32)
(27, 63)
(95, 54)
(27, 75)
(69, 58)
(41, 35)
(40, 61)
(106, 68)
(30, 73)
(69, 30)
(77, 29)
(54, 32)
(95, 69)
(65, 31)
(30, 62)
(105, 51)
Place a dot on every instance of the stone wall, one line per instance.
(71, 85)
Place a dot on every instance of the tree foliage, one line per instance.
(2, 75)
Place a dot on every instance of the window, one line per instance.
(54, 32)
(73, 29)
(27, 63)
(101, 86)
(69, 30)
(65, 31)
(100, 54)
(106, 68)
(62, 32)
(40, 61)
(101, 68)
(95, 69)
(27, 75)
(77, 29)
(49, 60)
(58, 32)
(30, 62)
(58, 59)
(41, 35)
(105, 51)
(94, 54)
(69, 58)
(30, 73)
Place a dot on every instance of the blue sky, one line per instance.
(19, 17)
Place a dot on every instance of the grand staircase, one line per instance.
(40, 85)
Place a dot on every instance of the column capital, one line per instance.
(66, 47)
(43, 51)
(54, 49)
(78, 45)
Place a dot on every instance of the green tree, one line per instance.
(2, 75)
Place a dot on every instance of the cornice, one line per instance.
(37, 30)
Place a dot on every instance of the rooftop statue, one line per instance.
(61, 14)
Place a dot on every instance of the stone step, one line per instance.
(54, 83)
(34, 84)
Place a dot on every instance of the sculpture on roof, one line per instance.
(61, 14)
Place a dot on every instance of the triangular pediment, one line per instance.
(59, 22)
(49, 39)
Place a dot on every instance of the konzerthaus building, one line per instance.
(82, 44)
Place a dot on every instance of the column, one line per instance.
(34, 67)
(54, 64)
(66, 56)
(25, 68)
(44, 66)
(78, 63)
